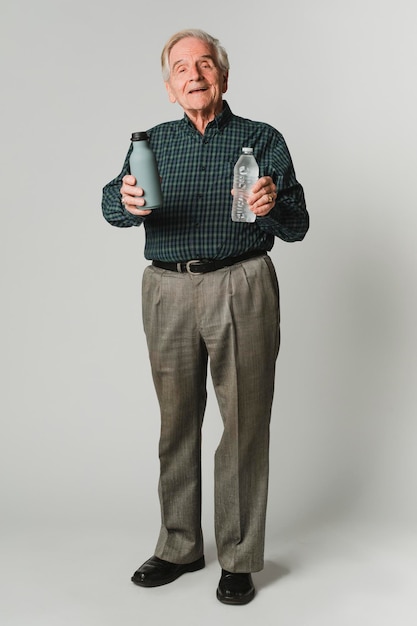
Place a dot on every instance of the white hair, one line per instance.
(220, 53)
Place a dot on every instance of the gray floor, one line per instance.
(340, 575)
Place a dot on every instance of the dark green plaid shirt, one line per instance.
(197, 176)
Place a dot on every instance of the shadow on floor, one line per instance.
(270, 574)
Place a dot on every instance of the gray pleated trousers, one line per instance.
(229, 318)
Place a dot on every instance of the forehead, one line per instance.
(189, 47)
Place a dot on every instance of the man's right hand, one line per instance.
(132, 196)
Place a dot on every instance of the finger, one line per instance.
(264, 197)
(264, 205)
(266, 193)
(262, 210)
(261, 183)
(131, 190)
(131, 195)
(129, 179)
(264, 184)
(137, 210)
(132, 201)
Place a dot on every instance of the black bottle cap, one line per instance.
(139, 136)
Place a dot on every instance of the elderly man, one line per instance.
(210, 296)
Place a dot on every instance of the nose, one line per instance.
(195, 73)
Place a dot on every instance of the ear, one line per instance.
(225, 82)
(171, 94)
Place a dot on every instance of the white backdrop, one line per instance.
(79, 416)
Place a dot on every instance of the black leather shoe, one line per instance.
(155, 572)
(235, 588)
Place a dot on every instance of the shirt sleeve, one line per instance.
(289, 219)
(113, 210)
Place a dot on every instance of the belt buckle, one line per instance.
(195, 262)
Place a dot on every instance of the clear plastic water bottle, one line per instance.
(246, 173)
(143, 167)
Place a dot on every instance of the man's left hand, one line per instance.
(263, 196)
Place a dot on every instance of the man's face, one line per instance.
(195, 81)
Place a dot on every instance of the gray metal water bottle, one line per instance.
(245, 175)
(143, 167)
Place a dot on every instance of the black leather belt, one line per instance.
(202, 266)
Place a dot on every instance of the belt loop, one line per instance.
(179, 268)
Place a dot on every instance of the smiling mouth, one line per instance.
(198, 90)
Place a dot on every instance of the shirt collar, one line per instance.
(220, 121)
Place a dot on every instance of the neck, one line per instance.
(201, 119)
